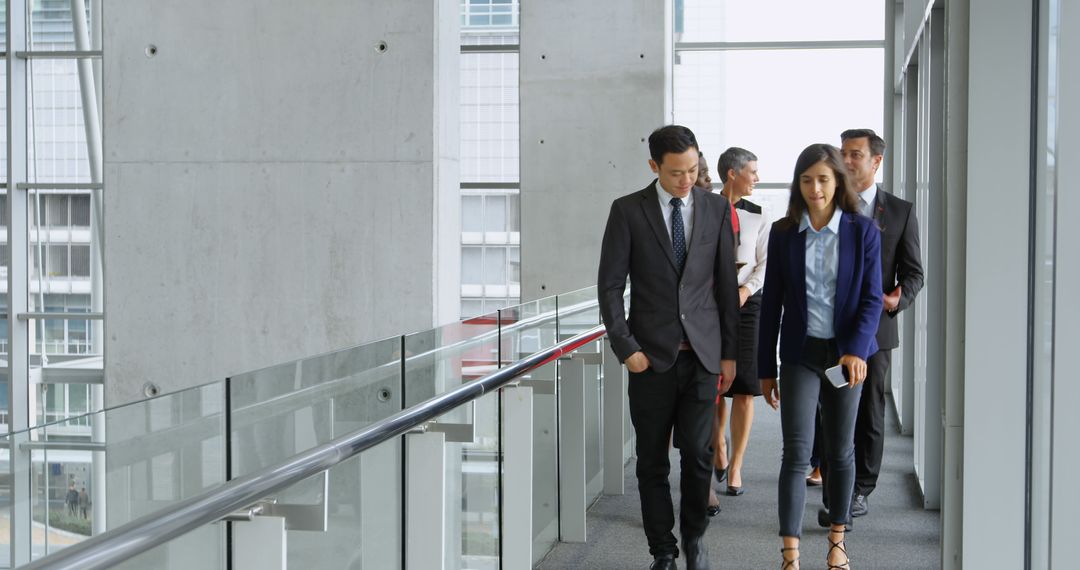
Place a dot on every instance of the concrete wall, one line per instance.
(276, 186)
(595, 81)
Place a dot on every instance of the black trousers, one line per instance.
(869, 427)
(683, 398)
(870, 424)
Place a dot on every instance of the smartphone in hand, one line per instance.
(837, 375)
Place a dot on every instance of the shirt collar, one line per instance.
(869, 194)
(665, 198)
(833, 225)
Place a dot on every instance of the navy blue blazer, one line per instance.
(858, 292)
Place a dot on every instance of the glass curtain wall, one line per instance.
(50, 280)
(746, 77)
(490, 220)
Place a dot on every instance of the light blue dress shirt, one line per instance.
(822, 256)
(687, 210)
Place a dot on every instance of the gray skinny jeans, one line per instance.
(803, 388)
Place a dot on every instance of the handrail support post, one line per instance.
(260, 543)
(425, 500)
(517, 514)
(614, 393)
(572, 487)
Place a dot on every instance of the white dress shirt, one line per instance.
(753, 249)
(868, 195)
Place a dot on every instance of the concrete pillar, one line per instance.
(595, 81)
(281, 181)
(956, 184)
(996, 309)
(1066, 422)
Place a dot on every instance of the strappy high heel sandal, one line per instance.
(839, 546)
(792, 564)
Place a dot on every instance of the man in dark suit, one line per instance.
(676, 244)
(901, 279)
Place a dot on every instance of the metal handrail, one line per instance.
(115, 546)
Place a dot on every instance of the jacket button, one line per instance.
(683, 316)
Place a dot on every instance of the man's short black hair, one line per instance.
(671, 138)
(877, 144)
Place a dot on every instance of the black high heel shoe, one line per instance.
(721, 473)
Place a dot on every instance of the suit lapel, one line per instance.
(650, 204)
(798, 269)
(845, 265)
(699, 219)
(879, 209)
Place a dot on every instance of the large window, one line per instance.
(490, 233)
(56, 185)
(489, 14)
(746, 78)
(50, 277)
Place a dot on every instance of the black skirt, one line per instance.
(746, 376)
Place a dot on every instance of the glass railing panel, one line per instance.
(443, 358)
(202, 548)
(440, 360)
(579, 312)
(62, 484)
(314, 399)
(118, 465)
(362, 500)
(163, 450)
(311, 402)
(475, 484)
(525, 329)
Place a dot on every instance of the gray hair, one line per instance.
(734, 158)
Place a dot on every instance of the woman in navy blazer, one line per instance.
(824, 277)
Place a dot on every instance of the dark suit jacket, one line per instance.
(858, 298)
(703, 301)
(901, 261)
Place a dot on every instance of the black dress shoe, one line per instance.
(712, 510)
(664, 562)
(697, 556)
(734, 491)
(859, 506)
(721, 474)
(824, 522)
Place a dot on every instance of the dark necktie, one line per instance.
(678, 234)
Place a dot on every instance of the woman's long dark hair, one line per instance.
(845, 198)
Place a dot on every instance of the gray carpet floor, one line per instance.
(897, 532)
